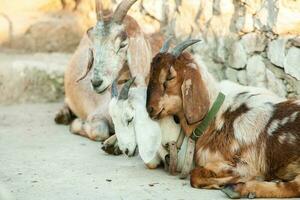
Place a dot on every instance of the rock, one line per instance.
(237, 56)
(276, 85)
(286, 20)
(292, 62)
(296, 41)
(32, 77)
(60, 34)
(154, 9)
(256, 71)
(276, 51)
(248, 23)
(254, 42)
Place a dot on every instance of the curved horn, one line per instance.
(125, 89)
(114, 89)
(122, 10)
(99, 11)
(182, 46)
(89, 65)
(166, 45)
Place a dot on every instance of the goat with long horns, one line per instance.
(115, 48)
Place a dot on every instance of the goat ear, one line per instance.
(139, 57)
(194, 96)
(148, 138)
(149, 143)
(89, 32)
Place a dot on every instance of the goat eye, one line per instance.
(129, 121)
(170, 77)
(122, 45)
(165, 84)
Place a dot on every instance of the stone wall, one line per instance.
(253, 42)
(44, 25)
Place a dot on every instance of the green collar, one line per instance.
(209, 117)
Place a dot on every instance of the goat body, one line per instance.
(81, 99)
(254, 138)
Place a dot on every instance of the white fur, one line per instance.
(149, 135)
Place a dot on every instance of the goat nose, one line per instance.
(127, 152)
(96, 83)
(150, 109)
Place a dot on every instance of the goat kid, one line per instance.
(115, 48)
(252, 140)
(134, 128)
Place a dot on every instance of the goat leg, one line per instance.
(263, 189)
(64, 115)
(164, 156)
(110, 146)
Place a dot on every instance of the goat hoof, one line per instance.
(229, 190)
(251, 195)
(167, 159)
(111, 149)
(64, 115)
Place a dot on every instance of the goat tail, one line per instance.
(264, 189)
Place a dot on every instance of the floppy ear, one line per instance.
(148, 133)
(149, 143)
(194, 96)
(139, 57)
(89, 32)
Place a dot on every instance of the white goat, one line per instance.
(134, 128)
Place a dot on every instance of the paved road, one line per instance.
(40, 160)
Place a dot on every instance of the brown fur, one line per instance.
(221, 158)
(193, 105)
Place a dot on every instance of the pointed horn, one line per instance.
(166, 45)
(99, 10)
(182, 46)
(114, 89)
(89, 65)
(125, 90)
(122, 10)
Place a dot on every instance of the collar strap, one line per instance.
(209, 117)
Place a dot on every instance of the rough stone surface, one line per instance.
(256, 71)
(232, 32)
(276, 51)
(41, 160)
(254, 42)
(292, 62)
(238, 57)
(32, 77)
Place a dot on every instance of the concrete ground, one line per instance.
(40, 160)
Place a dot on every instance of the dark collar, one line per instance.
(209, 117)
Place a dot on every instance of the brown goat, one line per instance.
(252, 141)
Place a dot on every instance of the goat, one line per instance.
(115, 48)
(134, 128)
(252, 140)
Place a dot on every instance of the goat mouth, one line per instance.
(158, 115)
(133, 153)
(101, 91)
